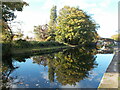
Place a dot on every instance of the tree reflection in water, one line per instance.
(8, 68)
(73, 65)
(69, 66)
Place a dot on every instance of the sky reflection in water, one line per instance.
(74, 68)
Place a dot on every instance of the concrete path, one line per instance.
(110, 78)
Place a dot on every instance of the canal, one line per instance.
(70, 68)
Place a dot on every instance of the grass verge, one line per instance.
(37, 50)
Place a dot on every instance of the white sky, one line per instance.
(104, 12)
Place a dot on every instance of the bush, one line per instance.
(6, 47)
(30, 44)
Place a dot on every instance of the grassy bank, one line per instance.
(19, 44)
(35, 47)
(32, 47)
(37, 50)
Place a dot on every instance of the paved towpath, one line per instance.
(110, 78)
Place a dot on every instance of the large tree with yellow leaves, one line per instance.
(75, 27)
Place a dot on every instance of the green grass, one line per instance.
(37, 51)
(118, 78)
(29, 47)
(30, 44)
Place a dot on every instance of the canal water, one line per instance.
(72, 68)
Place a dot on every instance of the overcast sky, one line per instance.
(104, 12)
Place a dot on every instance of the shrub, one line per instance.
(30, 44)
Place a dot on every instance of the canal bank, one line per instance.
(110, 78)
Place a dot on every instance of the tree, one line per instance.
(8, 9)
(41, 32)
(19, 34)
(52, 23)
(75, 27)
(116, 37)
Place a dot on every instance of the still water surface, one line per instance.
(73, 68)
